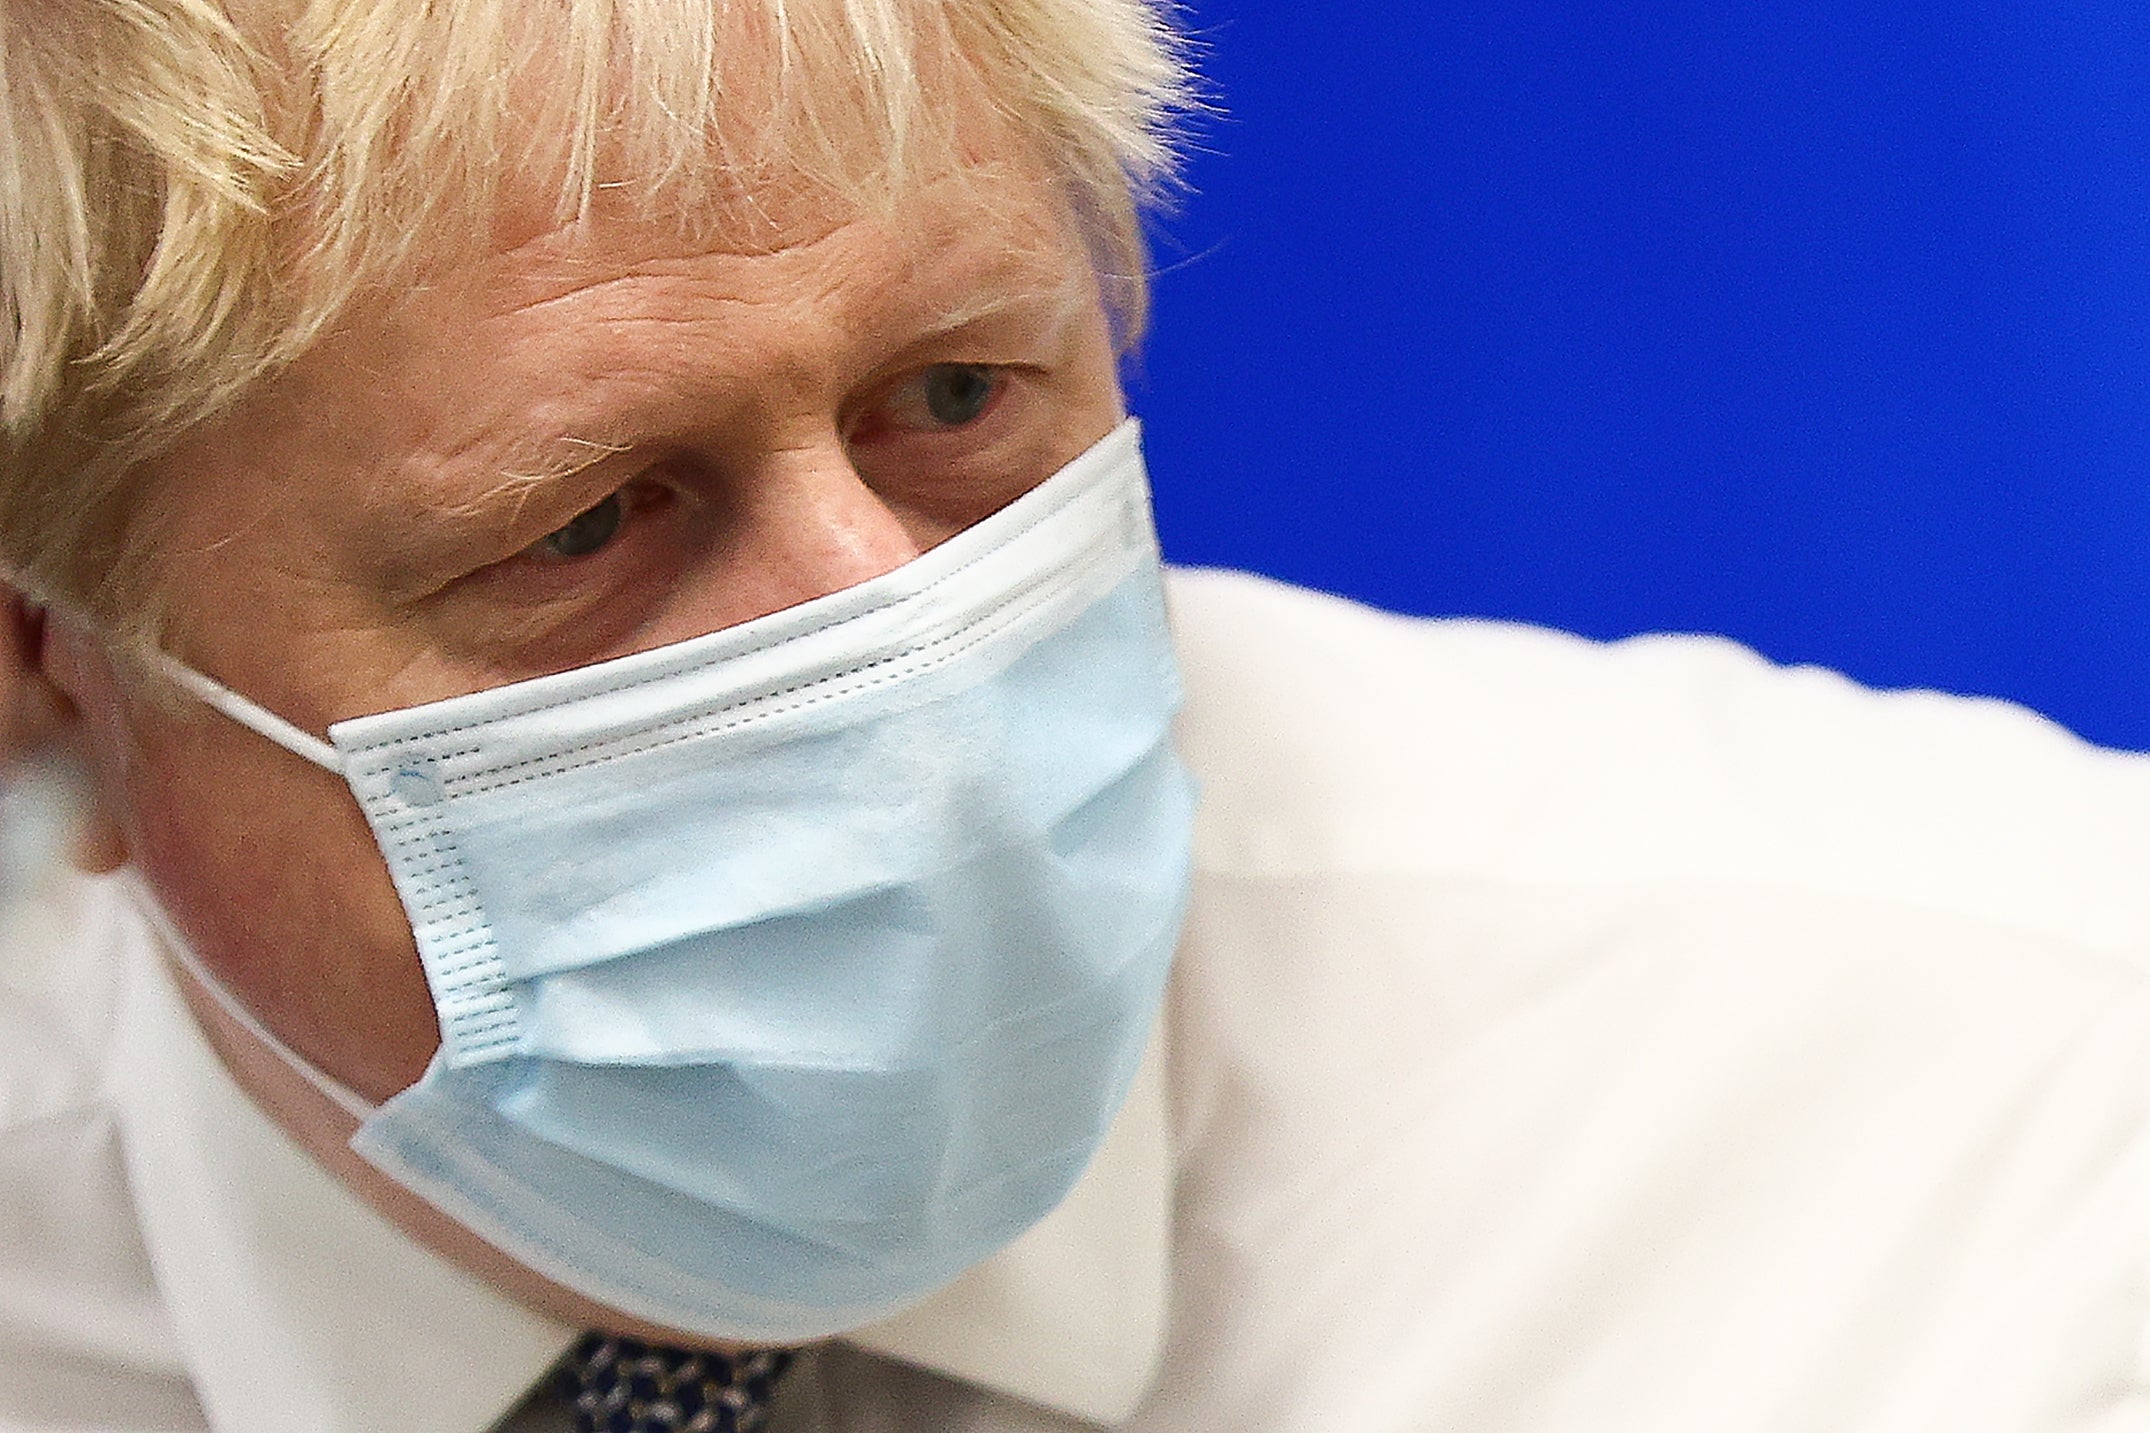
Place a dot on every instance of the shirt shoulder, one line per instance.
(1330, 737)
(1610, 1015)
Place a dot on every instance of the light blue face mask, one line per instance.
(787, 972)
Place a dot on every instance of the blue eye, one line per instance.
(587, 533)
(956, 393)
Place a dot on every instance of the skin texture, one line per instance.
(368, 531)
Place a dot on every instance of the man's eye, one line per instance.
(945, 396)
(585, 535)
(956, 393)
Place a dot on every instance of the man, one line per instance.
(595, 563)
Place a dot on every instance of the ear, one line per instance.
(40, 718)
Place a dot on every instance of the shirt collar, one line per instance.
(301, 1307)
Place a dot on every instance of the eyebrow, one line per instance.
(521, 470)
(1067, 301)
(453, 522)
(548, 460)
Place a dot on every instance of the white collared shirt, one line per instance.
(1566, 1036)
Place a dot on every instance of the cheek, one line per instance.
(266, 864)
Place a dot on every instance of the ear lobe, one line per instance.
(39, 720)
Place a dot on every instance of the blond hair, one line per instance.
(192, 190)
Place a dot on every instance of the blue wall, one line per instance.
(1823, 326)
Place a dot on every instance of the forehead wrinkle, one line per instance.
(660, 340)
(549, 270)
(1003, 216)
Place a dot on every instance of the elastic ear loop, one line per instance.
(182, 951)
(300, 742)
(252, 715)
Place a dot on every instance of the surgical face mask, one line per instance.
(786, 972)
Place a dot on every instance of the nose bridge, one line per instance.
(824, 529)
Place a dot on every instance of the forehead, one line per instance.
(786, 270)
(985, 202)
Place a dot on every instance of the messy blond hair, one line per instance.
(191, 191)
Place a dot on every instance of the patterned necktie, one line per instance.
(618, 1385)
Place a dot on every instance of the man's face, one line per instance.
(596, 440)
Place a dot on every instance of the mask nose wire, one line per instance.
(252, 715)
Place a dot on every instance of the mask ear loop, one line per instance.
(342, 1095)
(252, 715)
(300, 742)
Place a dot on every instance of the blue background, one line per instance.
(1823, 327)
